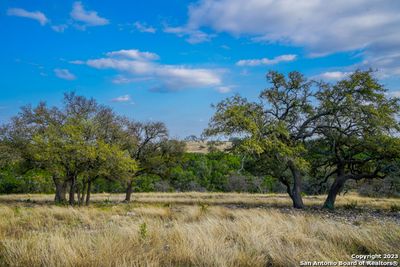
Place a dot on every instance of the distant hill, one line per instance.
(202, 147)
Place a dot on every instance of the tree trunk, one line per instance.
(61, 187)
(78, 190)
(89, 187)
(72, 191)
(129, 191)
(296, 190)
(83, 193)
(334, 190)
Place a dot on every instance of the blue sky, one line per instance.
(170, 60)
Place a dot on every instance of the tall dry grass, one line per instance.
(165, 234)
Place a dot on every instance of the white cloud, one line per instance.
(193, 36)
(120, 79)
(321, 27)
(64, 74)
(332, 75)
(133, 54)
(124, 65)
(143, 27)
(142, 65)
(266, 61)
(59, 28)
(395, 93)
(178, 77)
(387, 64)
(36, 15)
(124, 98)
(225, 89)
(88, 18)
(77, 62)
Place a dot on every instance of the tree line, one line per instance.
(299, 136)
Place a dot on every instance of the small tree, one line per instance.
(149, 146)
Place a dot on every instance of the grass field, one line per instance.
(193, 229)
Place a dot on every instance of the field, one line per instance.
(193, 229)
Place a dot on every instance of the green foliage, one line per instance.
(146, 183)
(105, 185)
(203, 208)
(143, 232)
(201, 172)
(34, 181)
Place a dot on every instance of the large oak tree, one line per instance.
(360, 139)
(274, 127)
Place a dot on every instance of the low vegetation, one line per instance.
(191, 229)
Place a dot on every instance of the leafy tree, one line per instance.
(17, 135)
(275, 127)
(75, 145)
(149, 146)
(360, 139)
(112, 160)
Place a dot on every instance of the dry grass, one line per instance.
(244, 199)
(167, 231)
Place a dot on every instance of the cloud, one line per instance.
(133, 54)
(59, 28)
(367, 26)
(266, 61)
(36, 15)
(143, 65)
(179, 77)
(120, 79)
(193, 36)
(225, 89)
(394, 93)
(332, 75)
(88, 18)
(84, 17)
(120, 99)
(321, 27)
(77, 62)
(64, 74)
(143, 27)
(387, 63)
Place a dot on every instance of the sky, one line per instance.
(168, 61)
